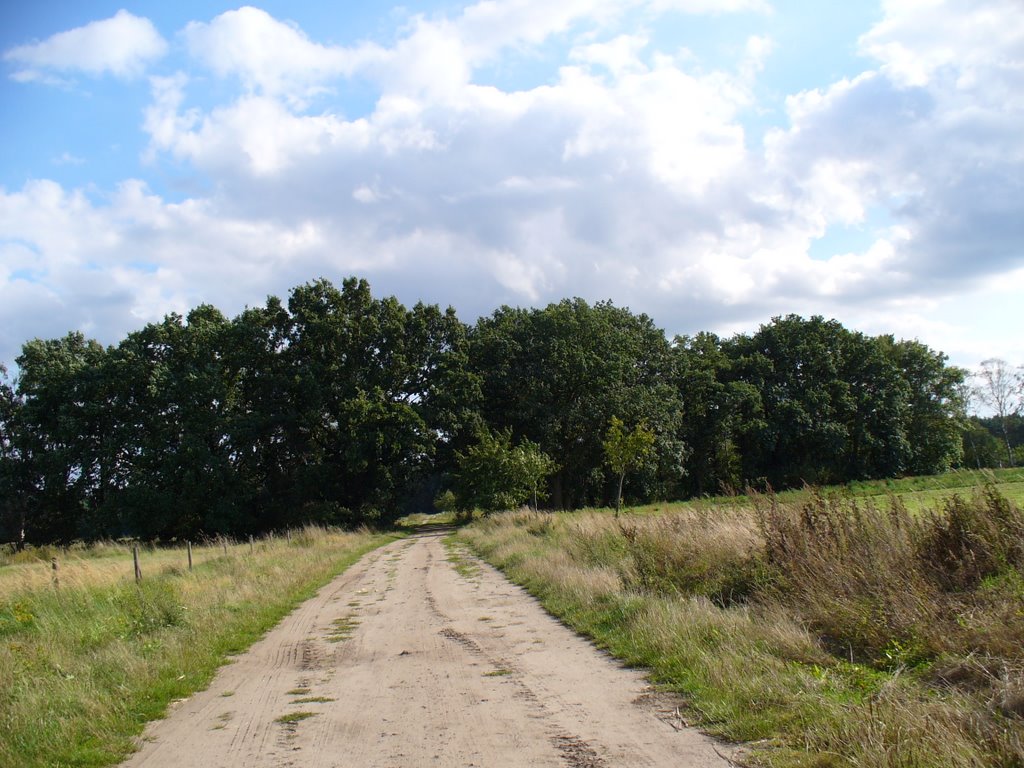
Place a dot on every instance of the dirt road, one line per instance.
(406, 661)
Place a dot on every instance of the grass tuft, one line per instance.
(294, 717)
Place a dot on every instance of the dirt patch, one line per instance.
(404, 661)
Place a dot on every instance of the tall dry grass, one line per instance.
(831, 631)
(84, 665)
(107, 562)
(893, 588)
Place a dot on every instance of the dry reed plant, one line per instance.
(828, 631)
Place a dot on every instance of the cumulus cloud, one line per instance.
(711, 6)
(272, 57)
(930, 136)
(629, 173)
(122, 45)
(920, 41)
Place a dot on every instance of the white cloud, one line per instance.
(66, 158)
(973, 43)
(629, 174)
(710, 6)
(621, 56)
(272, 57)
(932, 137)
(488, 27)
(122, 46)
(756, 52)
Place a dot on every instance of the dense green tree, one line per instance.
(720, 409)
(67, 423)
(1009, 429)
(557, 375)
(838, 405)
(493, 474)
(875, 410)
(175, 384)
(14, 486)
(981, 448)
(935, 406)
(341, 407)
(371, 394)
(795, 366)
(262, 419)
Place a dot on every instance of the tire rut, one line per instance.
(405, 661)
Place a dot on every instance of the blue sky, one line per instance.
(712, 163)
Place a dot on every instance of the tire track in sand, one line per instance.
(403, 662)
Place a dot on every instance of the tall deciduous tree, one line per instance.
(14, 486)
(1001, 388)
(67, 422)
(375, 388)
(796, 367)
(626, 451)
(838, 405)
(341, 407)
(719, 409)
(936, 406)
(494, 474)
(177, 391)
(557, 375)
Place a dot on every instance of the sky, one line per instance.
(711, 163)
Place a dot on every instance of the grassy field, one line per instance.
(85, 664)
(916, 493)
(878, 625)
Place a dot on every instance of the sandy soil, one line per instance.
(402, 662)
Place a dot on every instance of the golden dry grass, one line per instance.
(825, 631)
(83, 666)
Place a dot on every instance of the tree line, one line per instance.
(339, 407)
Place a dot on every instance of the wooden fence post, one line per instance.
(135, 557)
(224, 543)
(189, 554)
(56, 574)
(250, 543)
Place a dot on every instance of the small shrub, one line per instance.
(849, 570)
(149, 606)
(446, 501)
(970, 540)
(31, 554)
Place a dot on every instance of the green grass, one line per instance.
(464, 566)
(294, 717)
(420, 520)
(342, 629)
(837, 628)
(84, 666)
(916, 492)
(500, 672)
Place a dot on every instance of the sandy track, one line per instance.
(404, 662)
